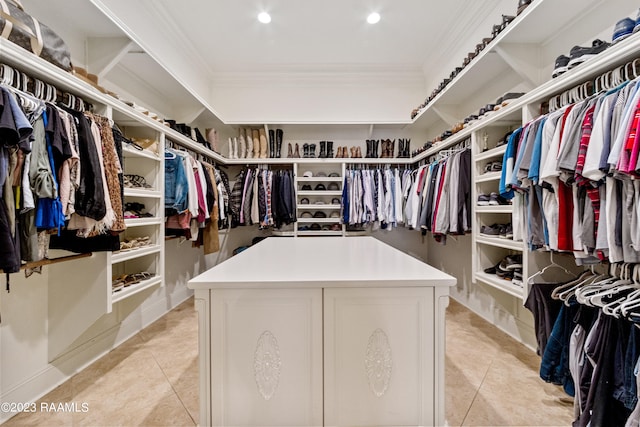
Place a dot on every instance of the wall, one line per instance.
(34, 356)
(454, 258)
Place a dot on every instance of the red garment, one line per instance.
(565, 205)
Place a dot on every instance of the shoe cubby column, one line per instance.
(492, 233)
(139, 265)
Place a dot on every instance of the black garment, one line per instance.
(248, 197)
(70, 242)
(227, 205)
(9, 245)
(118, 139)
(235, 199)
(464, 192)
(58, 138)
(90, 197)
(430, 195)
(544, 309)
(209, 196)
(9, 135)
(601, 409)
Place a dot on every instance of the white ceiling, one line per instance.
(201, 43)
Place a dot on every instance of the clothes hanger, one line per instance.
(595, 291)
(552, 264)
(629, 300)
(565, 291)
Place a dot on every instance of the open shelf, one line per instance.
(134, 253)
(500, 243)
(139, 222)
(495, 209)
(489, 176)
(313, 206)
(501, 284)
(142, 192)
(134, 289)
(319, 220)
(319, 233)
(490, 154)
(132, 152)
(319, 193)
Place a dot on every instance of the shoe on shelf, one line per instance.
(503, 273)
(623, 29)
(517, 278)
(561, 66)
(483, 199)
(512, 262)
(506, 231)
(490, 230)
(497, 200)
(522, 5)
(580, 54)
(493, 199)
(492, 270)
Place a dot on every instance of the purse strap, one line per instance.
(10, 21)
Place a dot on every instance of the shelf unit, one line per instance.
(150, 166)
(307, 226)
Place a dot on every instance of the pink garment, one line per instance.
(201, 202)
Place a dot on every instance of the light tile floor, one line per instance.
(152, 379)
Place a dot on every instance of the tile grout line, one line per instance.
(171, 384)
(477, 392)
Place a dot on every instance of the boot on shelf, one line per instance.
(305, 150)
(256, 143)
(323, 149)
(212, 139)
(279, 138)
(330, 149)
(391, 146)
(289, 151)
(249, 139)
(296, 153)
(376, 146)
(272, 143)
(407, 148)
(262, 139)
(242, 146)
(312, 151)
(383, 148)
(339, 153)
(230, 156)
(369, 149)
(358, 152)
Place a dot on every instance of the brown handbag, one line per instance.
(20, 28)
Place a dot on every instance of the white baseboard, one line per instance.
(74, 361)
(523, 333)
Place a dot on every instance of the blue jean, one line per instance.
(175, 185)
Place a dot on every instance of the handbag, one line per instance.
(24, 30)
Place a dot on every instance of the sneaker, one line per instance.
(511, 262)
(319, 214)
(490, 230)
(623, 29)
(483, 200)
(517, 278)
(506, 231)
(335, 201)
(580, 54)
(497, 200)
(508, 97)
(504, 273)
(492, 270)
(304, 201)
(522, 5)
(561, 67)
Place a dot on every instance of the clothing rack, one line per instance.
(443, 154)
(47, 92)
(604, 82)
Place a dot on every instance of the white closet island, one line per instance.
(321, 331)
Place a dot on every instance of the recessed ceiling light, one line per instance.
(264, 17)
(374, 18)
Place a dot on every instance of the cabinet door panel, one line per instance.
(266, 357)
(379, 357)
